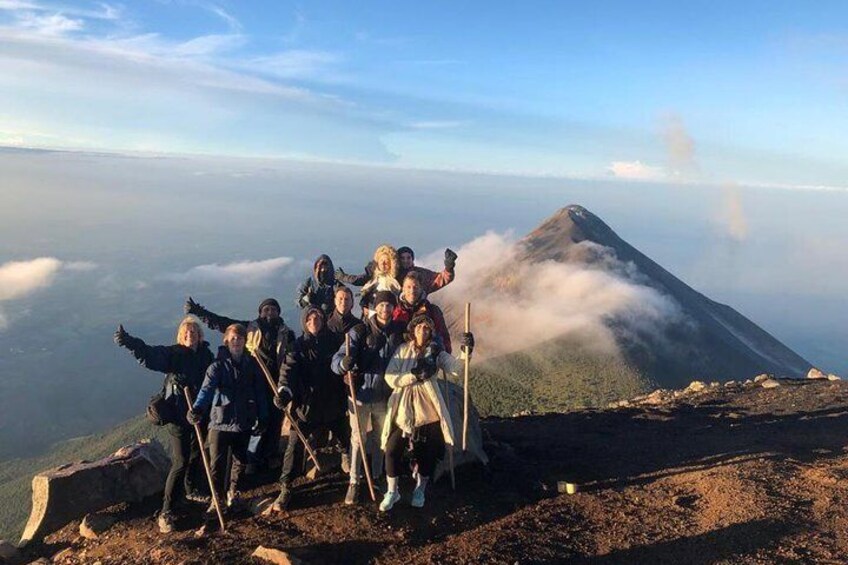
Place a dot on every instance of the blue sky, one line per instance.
(718, 92)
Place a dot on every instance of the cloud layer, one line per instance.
(523, 304)
(240, 273)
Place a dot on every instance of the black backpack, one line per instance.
(163, 409)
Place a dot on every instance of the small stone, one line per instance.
(761, 378)
(62, 555)
(696, 386)
(815, 374)
(770, 383)
(8, 551)
(749, 382)
(40, 561)
(715, 384)
(93, 525)
(832, 377)
(731, 384)
(275, 556)
(261, 506)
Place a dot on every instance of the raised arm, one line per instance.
(156, 358)
(212, 320)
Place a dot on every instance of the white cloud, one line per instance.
(518, 304)
(680, 146)
(80, 266)
(241, 273)
(49, 24)
(231, 21)
(635, 170)
(20, 278)
(437, 124)
(295, 63)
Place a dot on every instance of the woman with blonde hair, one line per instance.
(380, 274)
(185, 364)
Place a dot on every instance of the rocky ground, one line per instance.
(743, 473)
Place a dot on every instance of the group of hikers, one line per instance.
(387, 359)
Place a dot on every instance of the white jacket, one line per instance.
(400, 379)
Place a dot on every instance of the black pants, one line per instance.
(185, 462)
(293, 459)
(428, 447)
(219, 444)
(268, 445)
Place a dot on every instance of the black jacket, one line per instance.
(339, 326)
(184, 367)
(318, 394)
(371, 347)
(235, 392)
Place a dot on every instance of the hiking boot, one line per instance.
(235, 501)
(389, 500)
(417, 498)
(345, 463)
(282, 501)
(165, 523)
(352, 496)
(198, 497)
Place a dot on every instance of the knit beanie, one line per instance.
(269, 302)
(405, 249)
(385, 296)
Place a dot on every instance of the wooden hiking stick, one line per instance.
(365, 463)
(450, 412)
(294, 425)
(465, 382)
(199, 433)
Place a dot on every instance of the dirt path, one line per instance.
(748, 475)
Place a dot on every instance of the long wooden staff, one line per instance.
(292, 421)
(358, 431)
(465, 382)
(449, 401)
(199, 433)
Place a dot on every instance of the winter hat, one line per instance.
(308, 312)
(269, 302)
(420, 319)
(405, 249)
(385, 296)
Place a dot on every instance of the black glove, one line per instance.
(468, 342)
(424, 369)
(282, 399)
(347, 363)
(450, 259)
(192, 307)
(194, 418)
(124, 339)
(259, 428)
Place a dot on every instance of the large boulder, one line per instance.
(69, 492)
(475, 452)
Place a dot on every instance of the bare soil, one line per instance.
(728, 475)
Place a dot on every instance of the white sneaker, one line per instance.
(389, 500)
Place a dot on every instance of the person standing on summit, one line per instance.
(270, 339)
(319, 289)
(431, 281)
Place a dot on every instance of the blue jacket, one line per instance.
(235, 392)
(372, 348)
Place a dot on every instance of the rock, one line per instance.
(833, 377)
(696, 386)
(770, 383)
(761, 378)
(749, 382)
(731, 384)
(64, 554)
(715, 384)
(69, 492)
(8, 552)
(95, 524)
(275, 556)
(40, 561)
(261, 506)
(815, 374)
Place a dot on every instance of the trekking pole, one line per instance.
(465, 382)
(365, 463)
(450, 415)
(294, 425)
(199, 433)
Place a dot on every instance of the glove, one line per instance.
(194, 418)
(424, 369)
(282, 399)
(468, 342)
(347, 363)
(121, 336)
(340, 274)
(259, 428)
(192, 307)
(309, 296)
(254, 340)
(450, 260)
